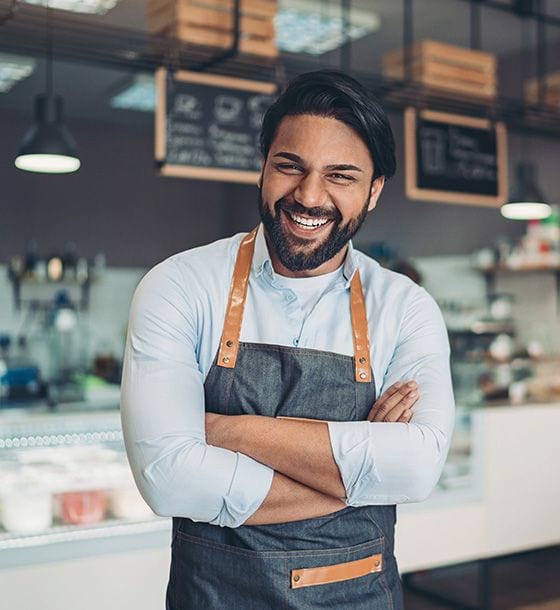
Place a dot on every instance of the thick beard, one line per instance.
(292, 251)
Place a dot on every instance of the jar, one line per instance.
(127, 503)
(501, 306)
(26, 500)
(82, 507)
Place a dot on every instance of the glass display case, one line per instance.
(66, 488)
(459, 472)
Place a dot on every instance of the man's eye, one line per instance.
(343, 177)
(288, 166)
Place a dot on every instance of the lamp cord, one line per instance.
(49, 52)
(10, 13)
(525, 46)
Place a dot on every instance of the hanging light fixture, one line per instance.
(48, 146)
(526, 200)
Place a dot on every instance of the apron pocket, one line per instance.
(310, 577)
(205, 573)
(352, 577)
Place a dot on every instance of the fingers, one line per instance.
(405, 417)
(399, 410)
(392, 397)
(392, 404)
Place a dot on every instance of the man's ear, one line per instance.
(260, 178)
(376, 188)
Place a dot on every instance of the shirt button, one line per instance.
(296, 342)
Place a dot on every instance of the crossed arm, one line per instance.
(307, 481)
(180, 472)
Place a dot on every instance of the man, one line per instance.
(252, 369)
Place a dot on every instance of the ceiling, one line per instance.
(87, 85)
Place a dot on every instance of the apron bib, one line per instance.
(339, 561)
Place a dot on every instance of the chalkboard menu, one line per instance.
(455, 159)
(207, 126)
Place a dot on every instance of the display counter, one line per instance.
(512, 501)
(67, 491)
(498, 494)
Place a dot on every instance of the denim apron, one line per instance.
(343, 560)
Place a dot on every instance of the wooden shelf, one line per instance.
(19, 302)
(523, 269)
(485, 327)
(100, 44)
(490, 274)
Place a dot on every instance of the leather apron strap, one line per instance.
(229, 343)
(360, 333)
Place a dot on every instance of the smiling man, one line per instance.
(269, 379)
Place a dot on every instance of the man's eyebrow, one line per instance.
(337, 167)
(344, 166)
(290, 156)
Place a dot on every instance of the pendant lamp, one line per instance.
(526, 200)
(48, 146)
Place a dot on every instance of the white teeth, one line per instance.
(309, 222)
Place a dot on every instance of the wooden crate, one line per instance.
(551, 92)
(445, 67)
(209, 23)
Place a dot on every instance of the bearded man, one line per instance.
(282, 392)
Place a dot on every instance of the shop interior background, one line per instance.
(124, 218)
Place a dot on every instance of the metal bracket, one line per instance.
(233, 51)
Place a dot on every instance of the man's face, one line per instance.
(316, 189)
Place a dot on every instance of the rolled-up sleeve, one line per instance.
(163, 413)
(389, 463)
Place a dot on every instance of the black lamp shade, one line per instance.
(526, 200)
(48, 145)
(525, 187)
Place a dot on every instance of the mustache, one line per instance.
(297, 208)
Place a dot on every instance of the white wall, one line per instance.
(445, 277)
(104, 323)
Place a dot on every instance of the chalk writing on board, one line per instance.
(210, 127)
(455, 159)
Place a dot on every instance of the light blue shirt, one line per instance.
(175, 325)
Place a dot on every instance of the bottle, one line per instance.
(54, 268)
(16, 267)
(532, 243)
(82, 270)
(550, 230)
(69, 261)
(22, 356)
(41, 270)
(27, 375)
(99, 264)
(31, 258)
(5, 341)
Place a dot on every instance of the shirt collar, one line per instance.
(262, 262)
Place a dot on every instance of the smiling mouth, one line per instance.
(306, 224)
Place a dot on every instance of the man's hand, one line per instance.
(395, 404)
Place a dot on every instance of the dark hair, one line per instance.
(330, 93)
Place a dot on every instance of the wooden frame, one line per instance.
(411, 177)
(193, 171)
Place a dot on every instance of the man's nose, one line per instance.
(311, 191)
